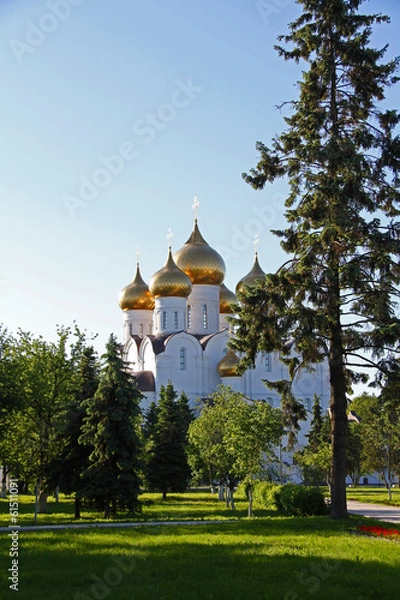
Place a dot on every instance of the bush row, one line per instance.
(290, 499)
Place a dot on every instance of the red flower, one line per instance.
(379, 531)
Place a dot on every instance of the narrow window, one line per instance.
(307, 404)
(130, 328)
(205, 319)
(164, 319)
(189, 317)
(141, 330)
(182, 359)
(176, 320)
(267, 362)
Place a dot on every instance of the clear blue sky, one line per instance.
(181, 91)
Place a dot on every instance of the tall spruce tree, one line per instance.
(111, 427)
(167, 468)
(74, 457)
(341, 156)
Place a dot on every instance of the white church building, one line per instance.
(176, 329)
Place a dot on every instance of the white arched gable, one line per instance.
(131, 354)
(147, 355)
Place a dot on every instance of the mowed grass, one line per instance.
(374, 495)
(189, 506)
(269, 557)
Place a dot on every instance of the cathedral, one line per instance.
(176, 329)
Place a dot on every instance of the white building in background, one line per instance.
(176, 329)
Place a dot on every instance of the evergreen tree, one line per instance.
(111, 427)
(74, 457)
(314, 433)
(167, 468)
(341, 155)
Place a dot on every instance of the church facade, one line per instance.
(176, 329)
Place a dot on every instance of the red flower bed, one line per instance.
(379, 531)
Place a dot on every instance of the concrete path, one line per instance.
(374, 511)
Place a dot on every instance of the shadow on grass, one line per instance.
(240, 560)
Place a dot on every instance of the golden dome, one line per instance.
(199, 261)
(170, 281)
(136, 295)
(252, 277)
(227, 366)
(226, 299)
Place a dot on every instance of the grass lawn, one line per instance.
(375, 495)
(269, 557)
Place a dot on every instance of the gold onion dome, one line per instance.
(228, 365)
(199, 261)
(170, 281)
(226, 299)
(252, 277)
(136, 295)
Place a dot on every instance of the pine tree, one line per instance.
(168, 469)
(314, 433)
(111, 427)
(341, 155)
(74, 458)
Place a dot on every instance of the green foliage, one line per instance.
(167, 468)
(300, 501)
(234, 437)
(335, 297)
(264, 494)
(111, 428)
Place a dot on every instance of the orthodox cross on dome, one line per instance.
(137, 255)
(195, 206)
(169, 236)
(256, 242)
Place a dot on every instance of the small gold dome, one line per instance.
(252, 278)
(170, 281)
(199, 261)
(226, 299)
(136, 295)
(227, 366)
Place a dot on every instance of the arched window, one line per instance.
(164, 319)
(267, 362)
(205, 318)
(189, 317)
(141, 330)
(307, 404)
(182, 359)
(176, 320)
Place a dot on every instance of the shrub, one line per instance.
(300, 501)
(263, 493)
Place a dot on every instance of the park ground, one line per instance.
(224, 554)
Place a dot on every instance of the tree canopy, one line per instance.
(335, 297)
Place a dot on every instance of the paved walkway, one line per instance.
(374, 511)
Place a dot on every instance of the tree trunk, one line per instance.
(43, 495)
(221, 492)
(4, 483)
(338, 406)
(77, 507)
(250, 498)
(164, 495)
(57, 494)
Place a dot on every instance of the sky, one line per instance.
(115, 115)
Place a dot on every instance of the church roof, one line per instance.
(145, 381)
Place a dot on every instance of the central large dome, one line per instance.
(199, 261)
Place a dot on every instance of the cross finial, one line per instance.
(169, 236)
(137, 254)
(195, 206)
